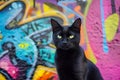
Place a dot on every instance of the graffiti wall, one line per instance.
(26, 47)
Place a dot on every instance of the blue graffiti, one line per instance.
(21, 41)
(105, 45)
(61, 3)
(15, 36)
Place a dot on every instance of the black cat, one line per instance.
(70, 59)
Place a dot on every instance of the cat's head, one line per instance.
(66, 37)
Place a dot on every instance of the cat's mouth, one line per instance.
(65, 47)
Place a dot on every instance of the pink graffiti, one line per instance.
(8, 66)
(107, 63)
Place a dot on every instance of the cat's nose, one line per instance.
(64, 42)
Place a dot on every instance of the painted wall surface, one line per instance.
(26, 47)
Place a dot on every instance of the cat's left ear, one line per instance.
(76, 25)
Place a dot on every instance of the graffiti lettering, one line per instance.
(32, 27)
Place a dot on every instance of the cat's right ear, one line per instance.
(55, 25)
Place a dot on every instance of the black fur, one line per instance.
(70, 59)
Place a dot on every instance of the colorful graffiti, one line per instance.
(26, 47)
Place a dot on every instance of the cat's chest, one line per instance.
(67, 61)
(70, 65)
(64, 61)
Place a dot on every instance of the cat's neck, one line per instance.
(70, 55)
(70, 52)
(71, 49)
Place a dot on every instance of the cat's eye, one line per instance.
(71, 36)
(59, 36)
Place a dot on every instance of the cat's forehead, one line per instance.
(65, 28)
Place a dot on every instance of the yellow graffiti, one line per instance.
(27, 6)
(31, 2)
(84, 21)
(2, 77)
(34, 11)
(38, 43)
(50, 7)
(49, 12)
(89, 54)
(52, 45)
(111, 26)
(41, 71)
(1, 36)
(23, 45)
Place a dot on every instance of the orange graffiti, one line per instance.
(82, 42)
(47, 75)
(71, 15)
(77, 9)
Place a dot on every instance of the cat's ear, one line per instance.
(76, 25)
(55, 25)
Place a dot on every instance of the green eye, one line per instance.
(59, 37)
(71, 36)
